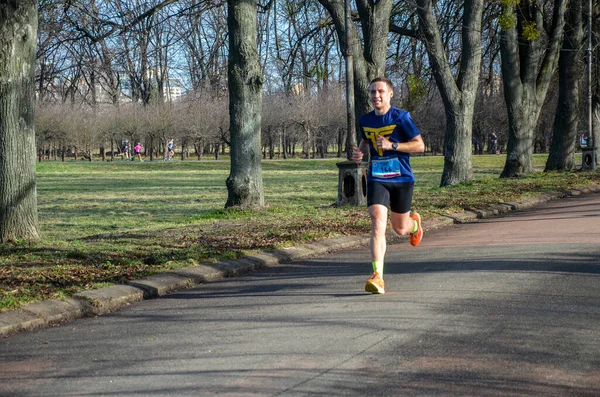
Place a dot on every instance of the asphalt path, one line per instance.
(508, 306)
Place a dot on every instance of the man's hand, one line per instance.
(357, 154)
(383, 144)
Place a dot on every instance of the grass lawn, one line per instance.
(104, 223)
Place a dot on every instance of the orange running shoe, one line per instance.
(416, 237)
(375, 284)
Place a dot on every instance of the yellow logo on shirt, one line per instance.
(373, 133)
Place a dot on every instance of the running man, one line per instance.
(390, 136)
(170, 150)
(125, 149)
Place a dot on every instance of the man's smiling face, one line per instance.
(381, 96)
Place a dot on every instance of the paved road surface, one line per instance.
(502, 307)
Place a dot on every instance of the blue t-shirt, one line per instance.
(397, 126)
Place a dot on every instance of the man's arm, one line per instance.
(415, 145)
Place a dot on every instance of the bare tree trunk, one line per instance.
(595, 81)
(527, 68)
(596, 120)
(150, 147)
(183, 148)
(521, 126)
(566, 121)
(244, 184)
(279, 144)
(308, 142)
(18, 196)
(340, 142)
(284, 142)
(457, 146)
(458, 95)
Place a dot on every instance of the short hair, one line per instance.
(383, 80)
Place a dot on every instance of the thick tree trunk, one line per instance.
(18, 197)
(371, 62)
(595, 106)
(306, 147)
(183, 148)
(566, 121)
(527, 68)
(244, 184)
(457, 147)
(522, 119)
(457, 94)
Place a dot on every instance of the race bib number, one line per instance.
(385, 168)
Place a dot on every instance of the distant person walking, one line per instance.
(138, 152)
(390, 136)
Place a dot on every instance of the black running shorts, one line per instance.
(396, 196)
